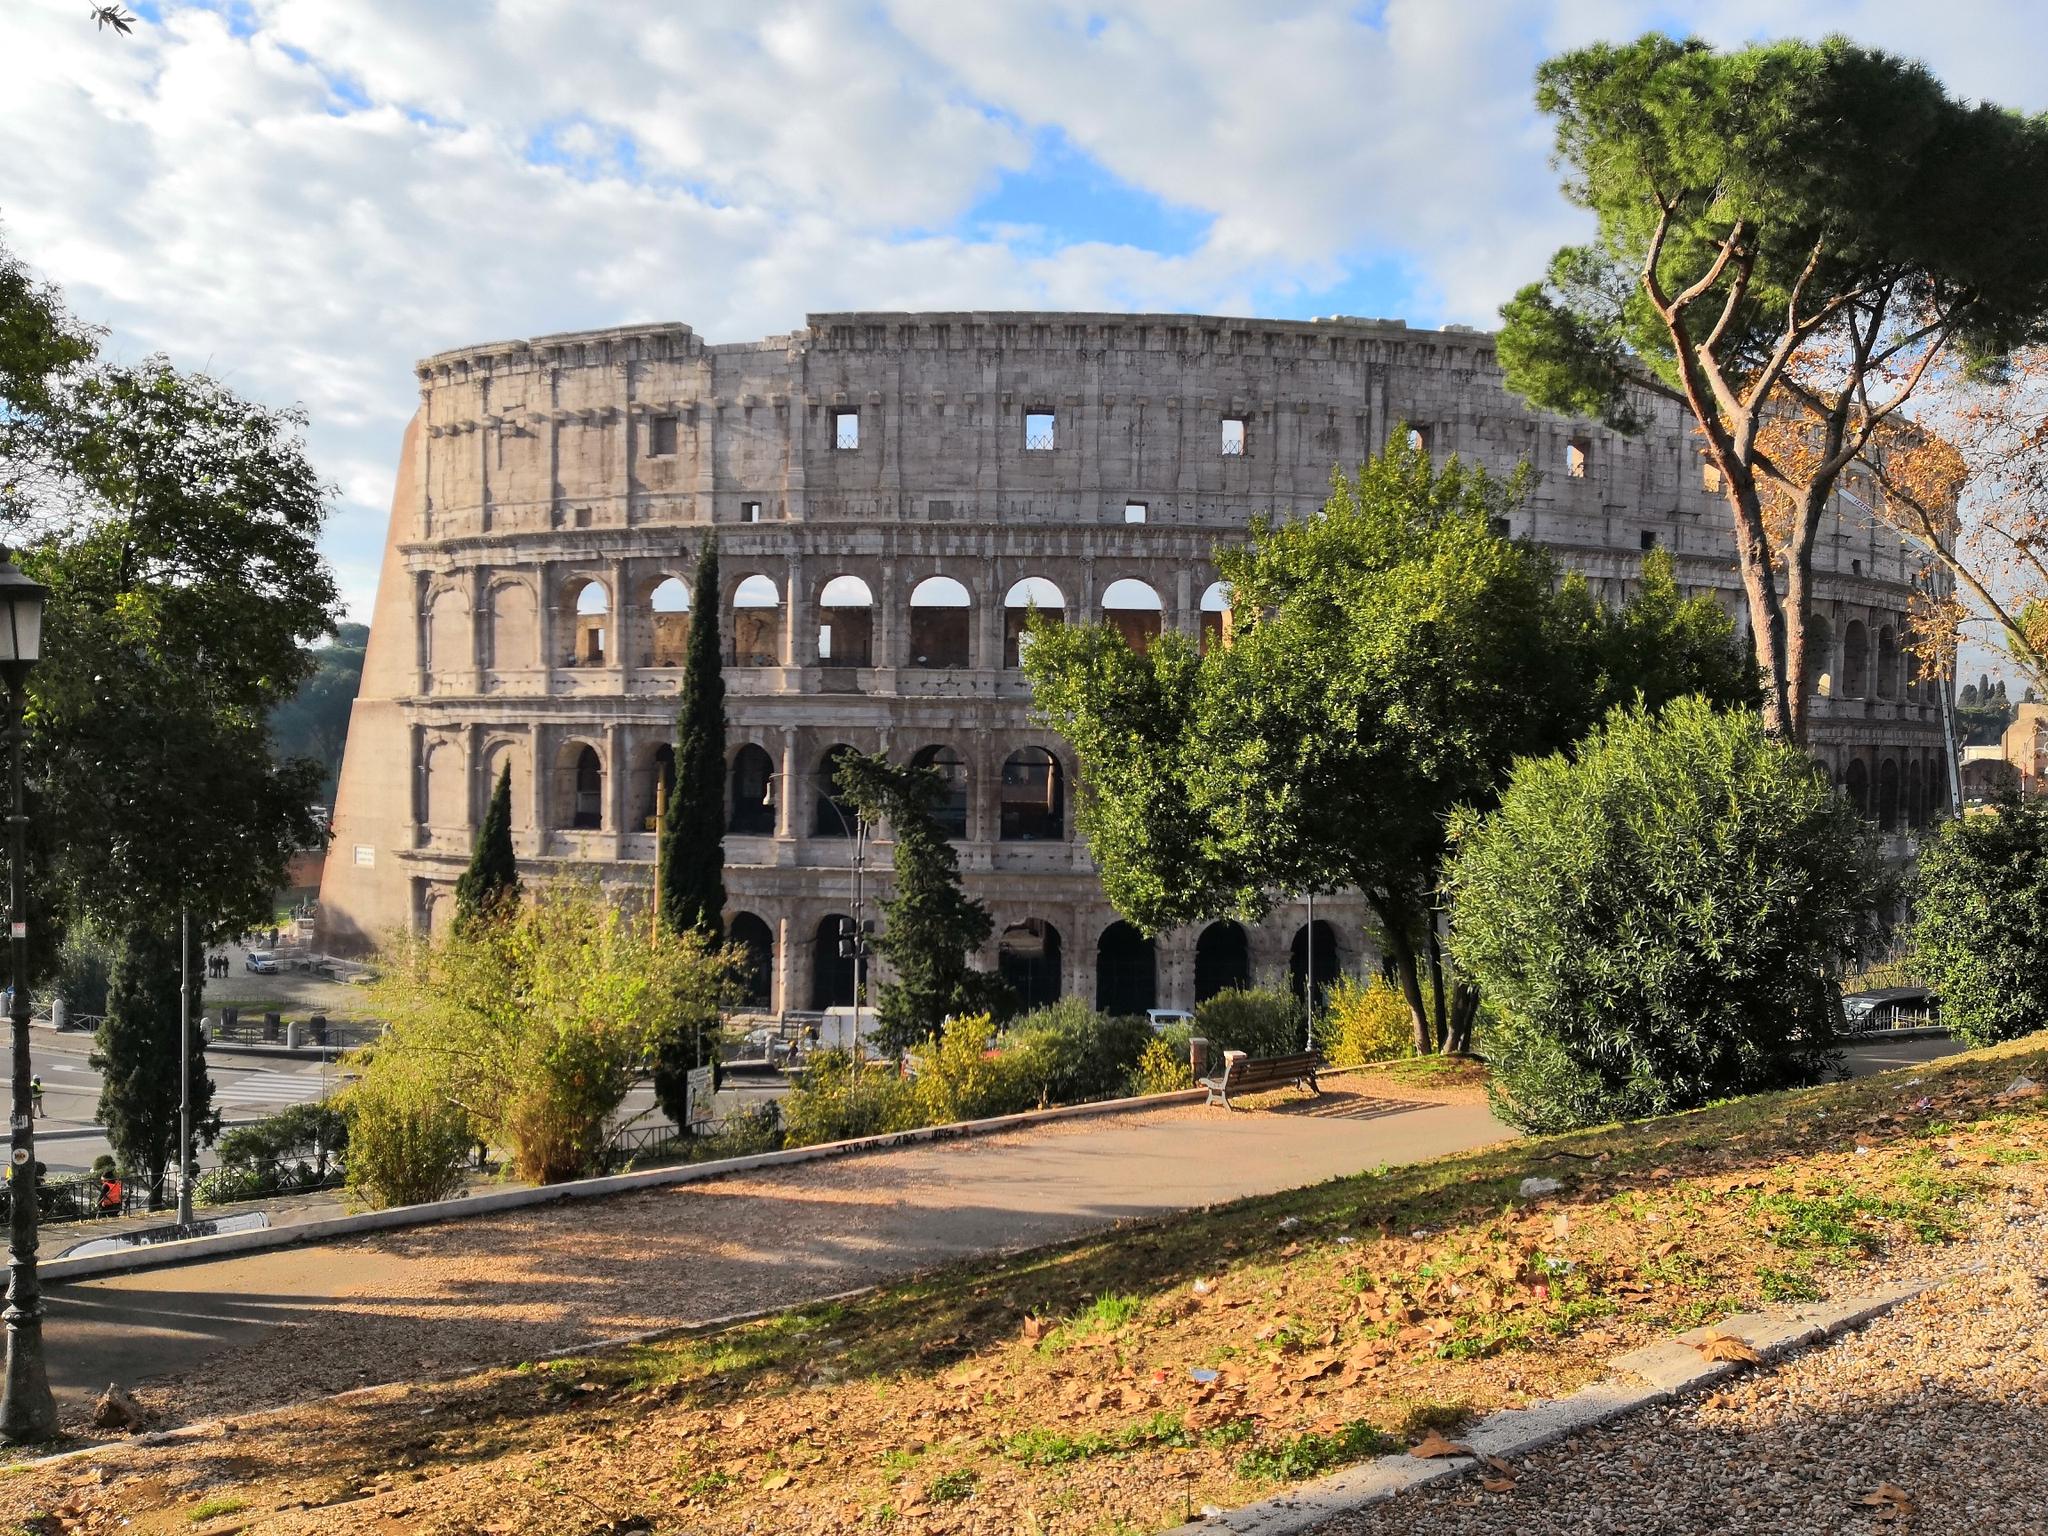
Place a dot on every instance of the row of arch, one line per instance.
(939, 632)
(1029, 957)
(1895, 797)
(1868, 667)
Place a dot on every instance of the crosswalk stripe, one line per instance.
(269, 1088)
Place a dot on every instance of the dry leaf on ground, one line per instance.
(1725, 1346)
(1890, 1501)
(1434, 1445)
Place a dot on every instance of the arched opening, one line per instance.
(1323, 956)
(1887, 663)
(756, 623)
(1126, 971)
(835, 815)
(447, 798)
(1028, 958)
(670, 605)
(1216, 620)
(752, 812)
(1855, 661)
(580, 779)
(939, 611)
(950, 811)
(591, 634)
(1888, 795)
(1820, 641)
(831, 972)
(1856, 785)
(497, 758)
(846, 623)
(757, 975)
(1916, 792)
(1912, 666)
(1223, 959)
(1033, 799)
(660, 787)
(1134, 611)
(1032, 593)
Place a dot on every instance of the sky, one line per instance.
(302, 197)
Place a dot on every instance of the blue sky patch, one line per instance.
(1073, 199)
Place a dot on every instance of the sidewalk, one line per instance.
(283, 1325)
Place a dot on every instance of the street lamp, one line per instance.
(27, 1411)
(852, 946)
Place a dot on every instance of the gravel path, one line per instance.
(1932, 1419)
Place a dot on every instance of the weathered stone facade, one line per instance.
(948, 468)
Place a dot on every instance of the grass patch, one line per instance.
(1310, 1454)
(951, 1487)
(223, 1504)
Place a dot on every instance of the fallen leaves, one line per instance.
(1888, 1501)
(1725, 1346)
(1433, 1446)
(1500, 1476)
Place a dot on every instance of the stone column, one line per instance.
(787, 783)
(615, 787)
(785, 989)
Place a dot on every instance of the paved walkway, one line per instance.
(282, 1325)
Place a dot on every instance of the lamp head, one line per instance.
(21, 621)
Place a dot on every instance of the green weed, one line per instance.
(1310, 1454)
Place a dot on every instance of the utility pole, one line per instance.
(184, 1066)
(660, 822)
(1308, 993)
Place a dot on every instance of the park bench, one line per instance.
(1243, 1074)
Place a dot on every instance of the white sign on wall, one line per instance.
(366, 856)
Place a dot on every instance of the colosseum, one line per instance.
(891, 493)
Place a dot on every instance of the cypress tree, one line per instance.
(693, 835)
(493, 874)
(136, 1054)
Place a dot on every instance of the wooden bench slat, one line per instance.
(1242, 1072)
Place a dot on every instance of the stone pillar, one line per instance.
(784, 999)
(543, 795)
(787, 782)
(624, 620)
(801, 642)
(615, 787)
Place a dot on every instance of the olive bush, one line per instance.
(1980, 928)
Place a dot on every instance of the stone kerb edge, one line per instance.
(198, 1249)
(1657, 1373)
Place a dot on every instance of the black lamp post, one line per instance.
(27, 1411)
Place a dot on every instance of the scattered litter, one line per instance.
(1201, 1287)
(1290, 1223)
(1861, 1150)
(2022, 1087)
(1211, 1512)
(1922, 1105)
(1347, 1238)
(1419, 1233)
(1202, 1375)
(1532, 1187)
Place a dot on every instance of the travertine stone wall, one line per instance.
(547, 488)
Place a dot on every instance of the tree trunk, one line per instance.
(1405, 972)
(1464, 1014)
(1436, 983)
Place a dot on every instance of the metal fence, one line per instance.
(88, 1197)
(238, 1028)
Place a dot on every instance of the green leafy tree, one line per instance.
(536, 1027)
(1660, 917)
(693, 834)
(1389, 658)
(313, 722)
(491, 883)
(930, 926)
(136, 1053)
(1790, 236)
(1980, 928)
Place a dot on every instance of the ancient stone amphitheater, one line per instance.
(891, 493)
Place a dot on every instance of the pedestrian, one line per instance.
(35, 1098)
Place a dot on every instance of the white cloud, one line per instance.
(308, 208)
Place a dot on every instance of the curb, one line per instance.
(1656, 1373)
(196, 1249)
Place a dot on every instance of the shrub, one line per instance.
(1070, 1054)
(1162, 1067)
(407, 1145)
(1260, 1021)
(294, 1149)
(837, 1099)
(1360, 1023)
(1658, 919)
(1980, 930)
(959, 1076)
(538, 1021)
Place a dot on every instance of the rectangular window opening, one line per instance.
(846, 429)
(1649, 538)
(1039, 435)
(1498, 527)
(1233, 437)
(1134, 511)
(661, 437)
(1578, 453)
(750, 511)
(1418, 440)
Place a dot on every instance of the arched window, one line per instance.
(753, 805)
(660, 787)
(1033, 592)
(1134, 611)
(1215, 615)
(1820, 641)
(835, 814)
(1028, 958)
(670, 604)
(939, 612)
(951, 809)
(1223, 959)
(1855, 661)
(1034, 798)
(581, 776)
(1916, 791)
(1126, 971)
(831, 972)
(846, 623)
(1856, 785)
(447, 797)
(593, 625)
(756, 623)
(1887, 663)
(1321, 961)
(757, 977)
(1888, 795)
